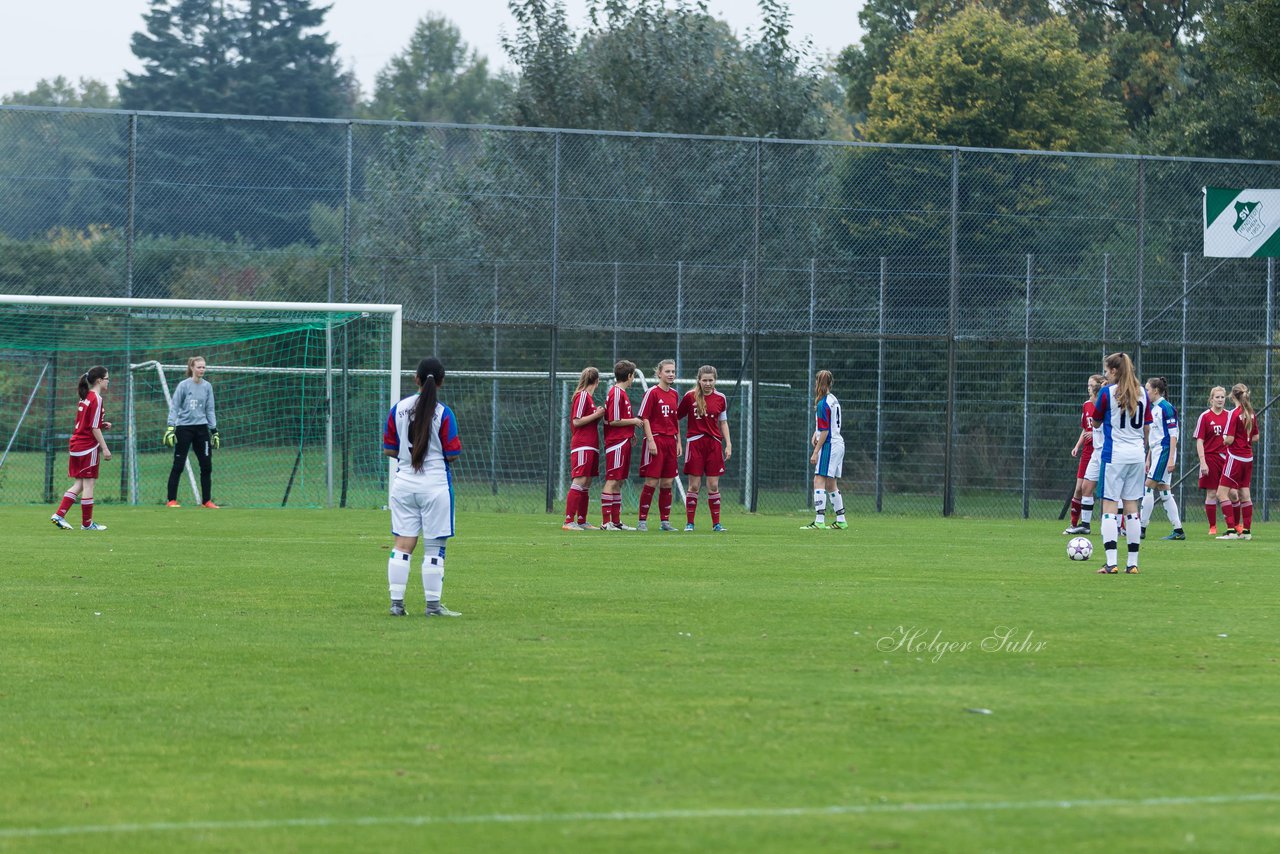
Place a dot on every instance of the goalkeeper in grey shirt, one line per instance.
(193, 426)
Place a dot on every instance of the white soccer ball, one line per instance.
(1079, 548)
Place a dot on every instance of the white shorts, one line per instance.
(419, 513)
(1124, 481)
(1159, 470)
(830, 460)
(1094, 468)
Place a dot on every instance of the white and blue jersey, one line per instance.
(422, 499)
(831, 451)
(1123, 433)
(1164, 429)
(1124, 446)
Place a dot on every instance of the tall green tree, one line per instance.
(885, 23)
(261, 57)
(981, 80)
(61, 92)
(1248, 34)
(437, 78)
(187, 54)
(291, 66)
(1146, 43)
(1228, 100)
(650, 66)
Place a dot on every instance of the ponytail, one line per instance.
(1128, 392)
(822, 385)
(429, 376)
(88, 378)
(1240, 394)
(588, 377)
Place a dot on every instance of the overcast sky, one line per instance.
(90, 38)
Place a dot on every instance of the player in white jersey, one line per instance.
(421, 435)
(1123, 412)
(1162, 459)
(827, 458)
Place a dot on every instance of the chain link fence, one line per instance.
(961, 297)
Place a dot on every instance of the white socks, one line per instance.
(837, 504)
(1133, 535)
(819, 504)
(432, 569)
(397, 574)
(1086, 510)
(1170, 507)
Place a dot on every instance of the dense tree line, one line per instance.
(1187, 77)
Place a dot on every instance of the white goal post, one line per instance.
(284, 350)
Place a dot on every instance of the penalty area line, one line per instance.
(644, 815)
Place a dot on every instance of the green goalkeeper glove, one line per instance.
(215, 439)
(169, 438)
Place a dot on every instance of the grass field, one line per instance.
(230, 681)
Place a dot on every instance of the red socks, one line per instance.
(1229, 513)
(646, 498)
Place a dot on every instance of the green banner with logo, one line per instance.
(1241, 223)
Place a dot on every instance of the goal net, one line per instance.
(300, 391)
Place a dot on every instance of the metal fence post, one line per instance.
(553, 361)
(493, 397)
(813, 305)
(953, 307)
(129, 470)
(679, 310)
(753, 452)
(1142, 257)
(1026, 396)
(1266, 384)
(1106, 299)
(1184, 372)
(884, 279)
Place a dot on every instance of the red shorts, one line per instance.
(1214, 464)
(663, 463)
(703, 456)
(1237, 473)
(585, 462)
(617, 461)
(1086, 451)
(85, 466)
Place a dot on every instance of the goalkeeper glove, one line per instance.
(169, 438)
(215, 439)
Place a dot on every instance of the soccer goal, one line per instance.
(301, 391)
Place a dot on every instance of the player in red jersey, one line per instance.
(1082, 499)
(619, 433)
(1212, 452)
(584, 450)
(1239, 436)
(87, 447)
(661, 446)
(707, 447)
